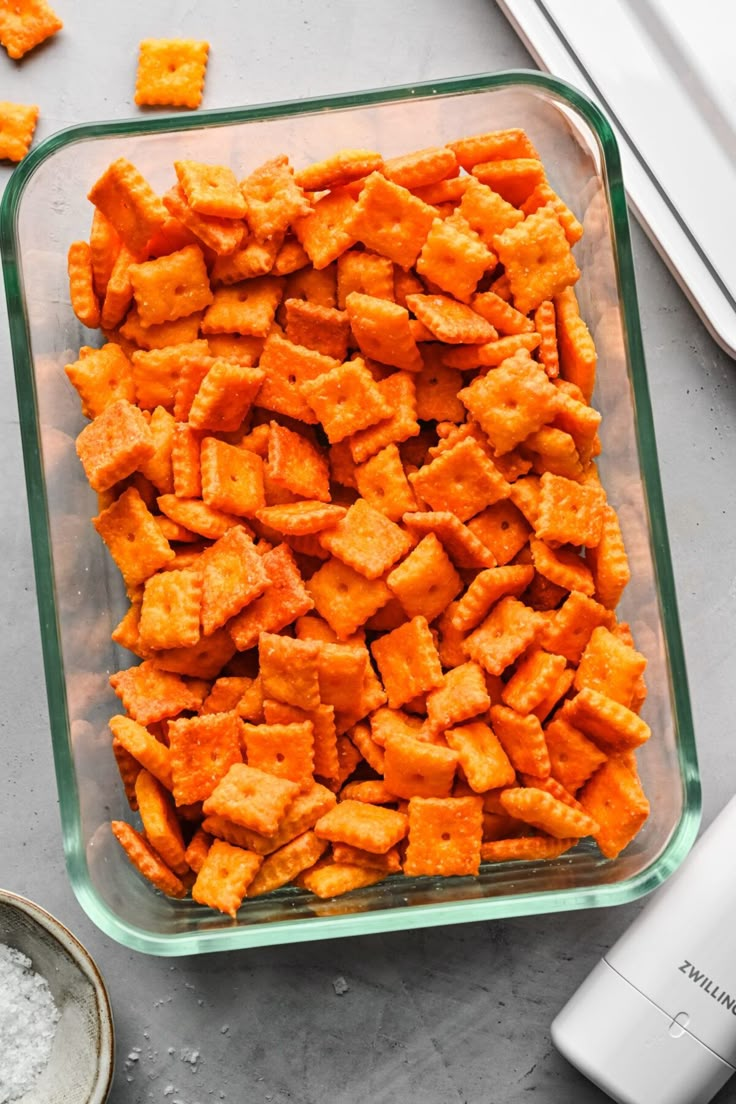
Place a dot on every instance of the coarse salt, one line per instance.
(28, 1019)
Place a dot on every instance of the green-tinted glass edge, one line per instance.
(276, 932)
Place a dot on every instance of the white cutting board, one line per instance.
(664, 72)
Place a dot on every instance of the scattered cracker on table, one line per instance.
(24, 24)
(345, 459)
(17, 124)
(171, 72)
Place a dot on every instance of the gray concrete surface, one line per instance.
(439, 1016)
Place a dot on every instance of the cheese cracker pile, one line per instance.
(341, 435)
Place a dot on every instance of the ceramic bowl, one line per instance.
(81, 1065)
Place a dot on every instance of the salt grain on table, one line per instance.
(28, 1019)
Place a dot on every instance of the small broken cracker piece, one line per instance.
(444, 836)
(196, 852)
(171, 72)
(224, 877)
(146, 861)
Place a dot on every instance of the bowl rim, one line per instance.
(87, 965)
(683, 833)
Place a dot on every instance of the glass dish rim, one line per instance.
(395, 918)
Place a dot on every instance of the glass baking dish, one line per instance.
(80, 593)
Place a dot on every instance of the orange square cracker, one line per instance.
(171, 72)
